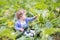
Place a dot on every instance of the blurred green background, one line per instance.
(47, 25)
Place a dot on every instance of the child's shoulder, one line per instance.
(17, 21)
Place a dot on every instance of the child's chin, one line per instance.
(24, 18)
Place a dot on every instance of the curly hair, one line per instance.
(19, 13)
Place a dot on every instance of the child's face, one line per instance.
(23, 16)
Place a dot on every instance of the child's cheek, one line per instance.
(24, 17)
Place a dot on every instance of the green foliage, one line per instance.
(47, 23)
(7, 33)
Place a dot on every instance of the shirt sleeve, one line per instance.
(31, 19)
(17, 26)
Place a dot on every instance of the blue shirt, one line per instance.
(18, 23)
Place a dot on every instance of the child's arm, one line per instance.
(32, 18)
(18, 28)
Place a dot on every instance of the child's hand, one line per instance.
(21, 29)
(36, 16)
